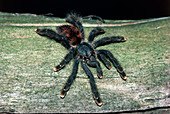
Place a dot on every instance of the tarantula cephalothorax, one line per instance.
(72, 38)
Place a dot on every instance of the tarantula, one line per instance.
(72, 38)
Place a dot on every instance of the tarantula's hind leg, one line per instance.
(115, 63)
(94, 63)
(94, 16)
(95, 32)
(70, 79)
(66, 60)
(108, 40)
(49, 33)
(52, 35)
(96, 95)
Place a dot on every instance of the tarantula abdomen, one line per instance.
(72, 34)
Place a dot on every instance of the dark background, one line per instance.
(113, 9)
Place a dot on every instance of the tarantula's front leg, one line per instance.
(52, 35)
(95, 32)
(66, 60)
(92, 83)
(108, 40)
(115, 63)
(70, 79)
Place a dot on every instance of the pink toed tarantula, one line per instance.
(72, 38)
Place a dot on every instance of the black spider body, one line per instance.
(72, 38)
(84, 50)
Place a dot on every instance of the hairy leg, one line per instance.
(49, 33)
(70, 79)
(94, 63)
(108, 40)
(94, 16)
(92, 84)
(103, 59)
(115, 63)
(52, 35)
(94, 33)
(66, 60)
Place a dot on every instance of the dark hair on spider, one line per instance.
(72, 38)
(90, 17)
(80, 18)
